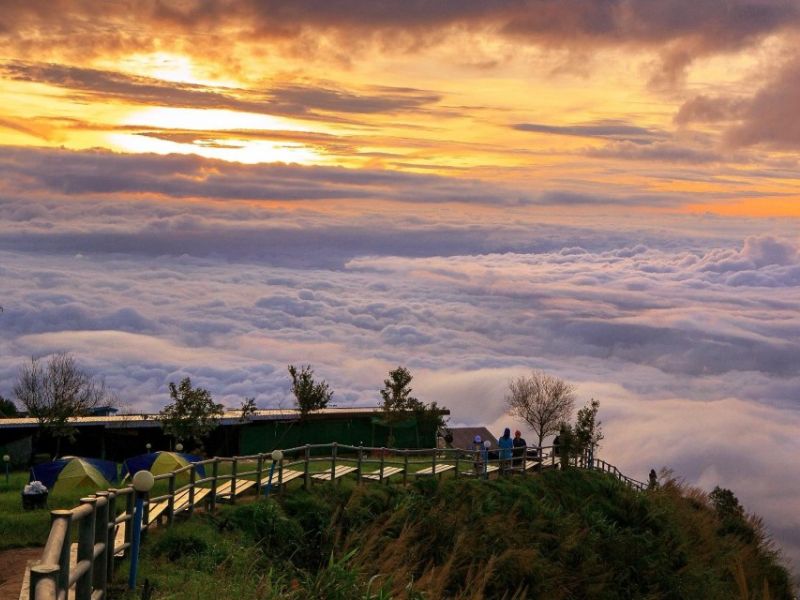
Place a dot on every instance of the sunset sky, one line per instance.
(608, 190)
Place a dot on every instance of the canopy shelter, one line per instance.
(73, 472)
(160, 462)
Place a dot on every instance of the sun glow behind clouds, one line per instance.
(238, 150)
(243, 151)
(170, 67)
(199, 119)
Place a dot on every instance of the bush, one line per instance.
(265, 523)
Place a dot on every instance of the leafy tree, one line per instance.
(193, 414)
(543, 401)
(397, 399)
(567, 443)
(587, 430)
(56, 392)
(308, 394)
(731, 514)
(248, 409)
(7, 408)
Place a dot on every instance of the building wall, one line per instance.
(354, 431)
(119, 444)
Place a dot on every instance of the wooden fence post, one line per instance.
(307, 465)
(360, 463)
(100, 567)
(40, 573)
(64, 555)
(192, 479)
(383, 462)
(83, 587)
(234, 470)
(214, 476)
(129, 523)
(333, 461)
(145, 512)
(171, 499)
(405, 467)
(458, 463)
(111, 526)
(259, 473)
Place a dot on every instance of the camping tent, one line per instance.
(160, 462)
(72, 472)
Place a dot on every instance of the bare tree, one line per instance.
(55, 392)
(542, 401)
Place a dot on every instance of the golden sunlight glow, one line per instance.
(199, 119)
(243, 151)
(170, 67)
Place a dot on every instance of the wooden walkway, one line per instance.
(432, 463)
(438, 470)
(282, 478)
(338, 473)
(226, 490)
(387, 472)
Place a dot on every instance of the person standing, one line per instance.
(519, 450)
(506, 445)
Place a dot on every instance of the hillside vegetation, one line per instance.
(558, 535)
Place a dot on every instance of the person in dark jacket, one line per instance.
(506, 445)
(653, 484)
(519, 449)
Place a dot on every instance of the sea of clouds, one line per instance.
(686, 328)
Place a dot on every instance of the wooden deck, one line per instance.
(387, 472)
(242, 485)
(340, 472)
(440, 468)
(288, 475)
(473, 473)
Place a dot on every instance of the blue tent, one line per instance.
(160, 462)
(79, 471)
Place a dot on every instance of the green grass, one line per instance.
(20, 528)
(560, 535)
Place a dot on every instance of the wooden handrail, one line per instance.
(97, 520)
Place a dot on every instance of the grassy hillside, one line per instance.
(560, 535)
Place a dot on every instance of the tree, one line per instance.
(397, 399)
(566, 443)
(7, 408)
(308, 394)
(193, 414)
(543, 401)
(587, 430)
(248, 409)
(58, 391)
(731, 514)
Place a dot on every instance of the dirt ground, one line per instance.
(12, 569)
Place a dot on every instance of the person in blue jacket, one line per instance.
(506, 445)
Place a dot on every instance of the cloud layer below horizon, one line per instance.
(685, 328)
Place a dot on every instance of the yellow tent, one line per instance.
(166, 462)
(78, 473)
(157, 463)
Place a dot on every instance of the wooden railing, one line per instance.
(99, 525)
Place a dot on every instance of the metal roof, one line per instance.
(229, 417)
